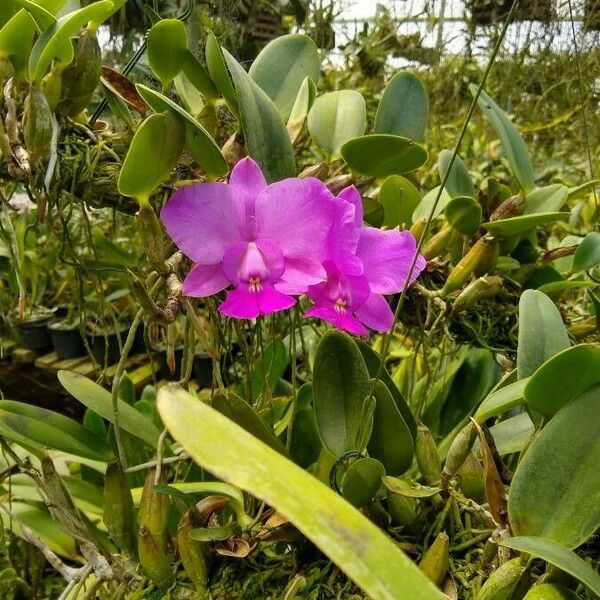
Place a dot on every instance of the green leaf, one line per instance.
(340, 387)
(43, 18)
(167, 46)
(559, 556)
(425, 207)
(399, 198)
(305, 445)
(459, 181)
(51, 44)
(44, 526)
(240, 412)
(266, 137)
(282, 66)
(99, 400)
(555, 491)
(391, 441)
(362, 481)
(409, 488)
(512, 141)
(372, 360)
(464, 214)
(46, 428)
(516, 225)
(404, 107)
(575, 192)
(547, 199)
(16, 40)
(269, 368)
(152, 155)
(553, 287)
(587, 254)
(337, 117)
(215, 63)
(346, 537)
(199, 142)
(501, 400)
(542, 333)
(302, 105)
(562, 378)
(511, 435)
(197, 75)
(380, 155)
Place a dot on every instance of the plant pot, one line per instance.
(66, 339)
(33, 333)
(203, 370)
(163, 367)
(105, 345)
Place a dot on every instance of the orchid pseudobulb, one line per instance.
(293, 237)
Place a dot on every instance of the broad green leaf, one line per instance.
(559, 556)
(587, 254)
(43, 18)
(459, 181)
(542, 333)
(53, 41)
(240, 412)
(337, 117)
(302, 105)
(192, 99)
(562, 378)
(266, 137)
(512, 434)
(152, 155)
(199, 142)
(305, 445)
(464, 214)
(501, 400)
(515, 225)
(367, 556)
(215, 63)
(372, 360)
(282, 66)
(399, 198)
(362, 481)
(340, 387)
(555, 491)
(409, 488)
(575, 192)
(44, 526)
(268, 368)
(380, 155)
(391, 441)
(52, 430)
(425, 207)
(512, 141)
(404, 108)
(167, 48)
(198, 77)
(99, 400)
(554, 287)
(546, 200)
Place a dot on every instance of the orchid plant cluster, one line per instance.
(273, 242)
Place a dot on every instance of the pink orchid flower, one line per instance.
(260, 238)
(362, 264)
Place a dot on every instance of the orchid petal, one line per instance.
(205, 280)
(351, 195)
(376, 313)
(299, 274)
(342, 239)
(343, 321)
(204, 220)
(271, 301)
(240, 304)
(247, 175)
(295, 213)
(387, 257)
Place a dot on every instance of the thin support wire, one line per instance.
(387, 336)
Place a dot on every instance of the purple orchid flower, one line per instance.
(362, 264)
(260, 238)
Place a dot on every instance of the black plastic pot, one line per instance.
(33, 333)
(203, 370)
(105, 345)
(66, 339)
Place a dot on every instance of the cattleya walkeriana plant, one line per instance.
(292, 237)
